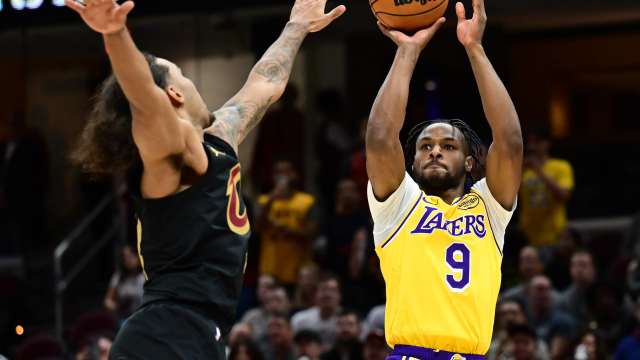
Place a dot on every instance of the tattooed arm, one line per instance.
(270, 75)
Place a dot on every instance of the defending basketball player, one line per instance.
(439, 232)
(150, 123)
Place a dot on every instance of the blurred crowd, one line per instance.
(313, 288)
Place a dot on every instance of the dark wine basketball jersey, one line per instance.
(193, 244)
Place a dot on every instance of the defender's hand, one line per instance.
(310, 13)
(103, 16)
(420, 39)
(470, 31)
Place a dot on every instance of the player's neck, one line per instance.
(448, 195)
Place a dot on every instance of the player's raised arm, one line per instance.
(268, 78)
(385, 158)
(504, 158)
(155, 125)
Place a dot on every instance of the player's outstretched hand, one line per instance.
(103, 16)
(420, 39)
(470, 31)
(311, 14)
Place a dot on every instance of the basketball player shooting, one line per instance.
(439, 232)
(150, 123)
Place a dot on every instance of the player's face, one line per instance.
(193, 103)
(441, 162)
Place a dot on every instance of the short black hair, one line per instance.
(522, 329)
(349, 311)
(473, 143)
(307, 335)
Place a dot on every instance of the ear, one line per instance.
(469, 163)
(175, 96)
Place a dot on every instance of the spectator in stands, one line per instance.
(96, 349)
(304, 296)
(529, 266)
(508, 314)
(277, 344)
(125, 289)
(245, 349)
(286, 223)
(375, 347)
(347, 234)
(560, 263)
(257, 317)
(92, 333)
(323, 317)
(543, 313)
(333, 143)
(40, 347)
(240, 332)
(281, 133)
(375, 319)
(573, 300)
(629, 347)
(521, 343)
(266, 282)
(590, 347)
(358, 163)
(546, 188)
(348, 345)
(609, 317)
(276, 303)
(308, 345)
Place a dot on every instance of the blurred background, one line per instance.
(68, 269)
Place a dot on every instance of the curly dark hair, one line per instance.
(106, 144)
(473, 145)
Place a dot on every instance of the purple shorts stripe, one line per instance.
(428, 354)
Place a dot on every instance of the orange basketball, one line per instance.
(408, 15)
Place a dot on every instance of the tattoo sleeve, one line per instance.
(276, 63)
(265, 85)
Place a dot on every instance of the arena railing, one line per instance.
(63, 280)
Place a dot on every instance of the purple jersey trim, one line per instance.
(403, 221)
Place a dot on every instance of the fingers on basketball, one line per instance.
(408, 16)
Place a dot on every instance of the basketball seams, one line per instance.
(413, 14)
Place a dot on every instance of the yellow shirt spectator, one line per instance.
(542, 214)
(285, 243)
